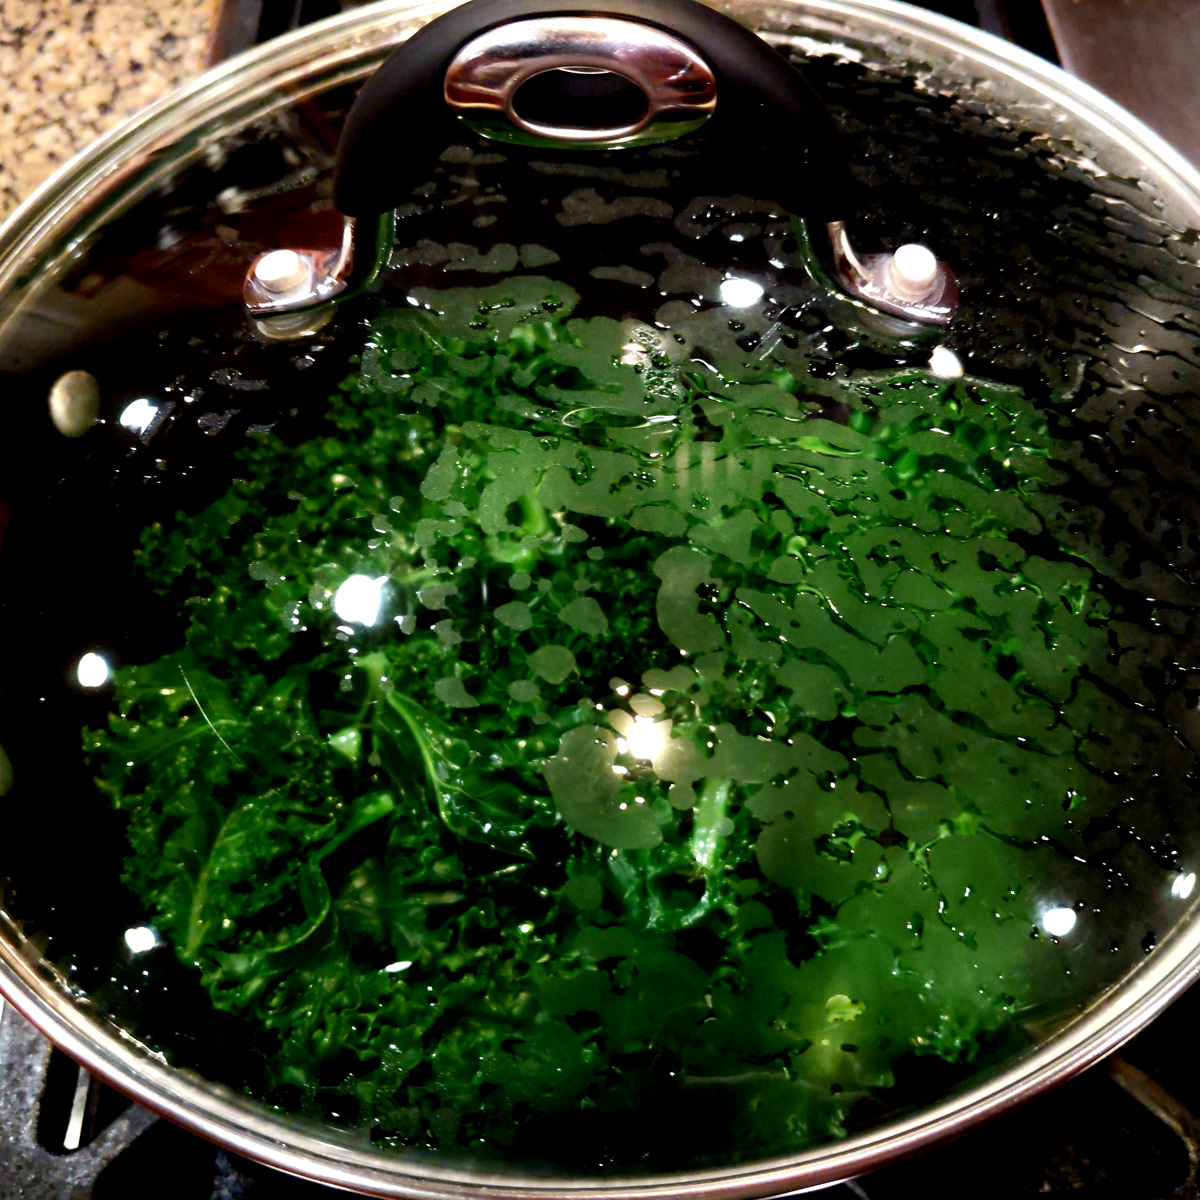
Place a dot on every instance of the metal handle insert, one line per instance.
(485, 77)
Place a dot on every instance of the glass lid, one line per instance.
(602, 701)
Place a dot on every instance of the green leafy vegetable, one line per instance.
(575, 729)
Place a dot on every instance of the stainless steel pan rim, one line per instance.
(45, 232)
(250, 1130)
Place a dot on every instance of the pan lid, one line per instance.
(578, 691)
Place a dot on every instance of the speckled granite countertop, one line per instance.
(72, 69)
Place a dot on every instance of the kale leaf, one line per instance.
(576, 727)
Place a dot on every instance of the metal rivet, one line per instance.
(913, 270)
(911, 283)
(281, 270)
(74, 403)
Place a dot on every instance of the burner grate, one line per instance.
(31, 1170)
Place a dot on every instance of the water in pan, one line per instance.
(450, 875)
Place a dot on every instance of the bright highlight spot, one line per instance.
(646, 739)
(92, 671)
(1183, 885)
(396, 967)
(359, 599)
(945, 364)
(139, 416)
(1058, 922)
(140, 938)
(741, 293)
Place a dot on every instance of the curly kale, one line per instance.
(574, 728)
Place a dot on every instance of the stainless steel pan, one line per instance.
(1081, 132)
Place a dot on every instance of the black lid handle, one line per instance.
(553, 73)
(690, 64)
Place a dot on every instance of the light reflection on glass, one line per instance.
(646, 739)
(741, 293)
(945, 364)
(138, 416)
(359, 599)
(1058, 922)
(1183, 885)
(140, 939)
(92, 671)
